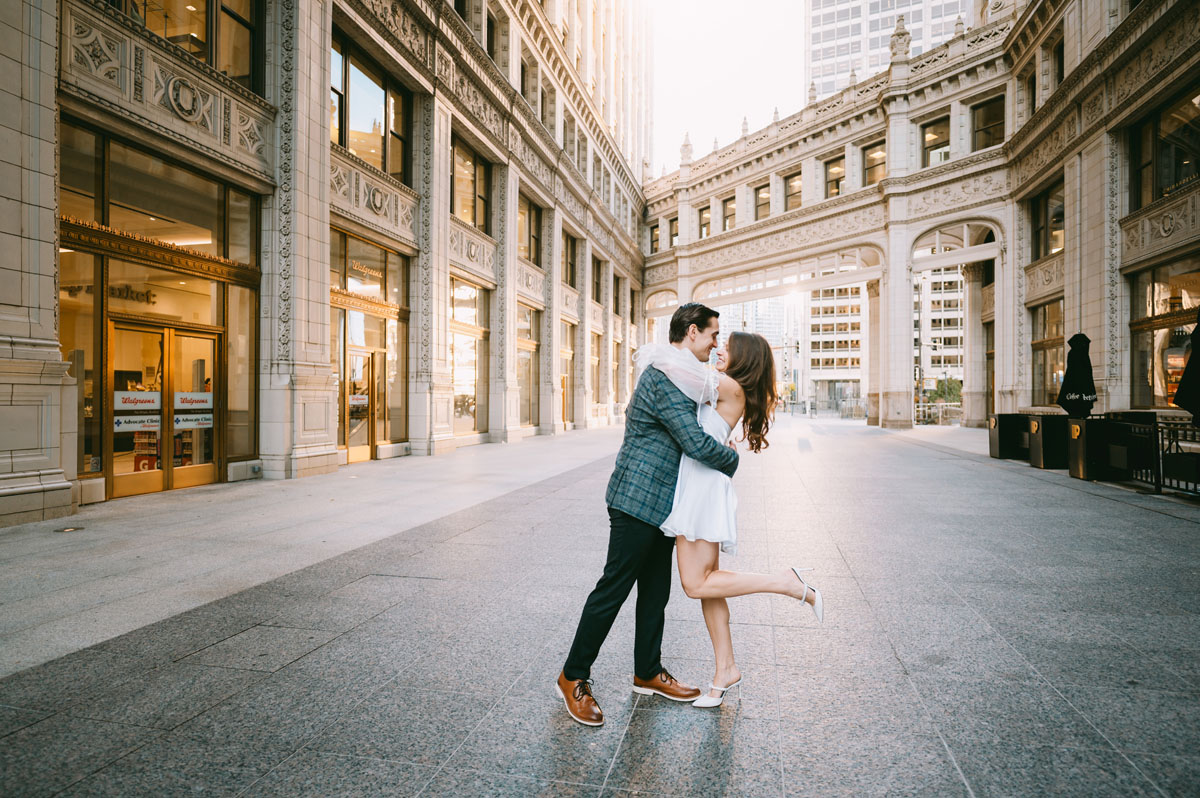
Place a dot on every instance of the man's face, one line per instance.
(701, 343)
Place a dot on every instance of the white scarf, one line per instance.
(697, 381)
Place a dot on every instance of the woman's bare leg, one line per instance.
(703, 579)
(716, 618)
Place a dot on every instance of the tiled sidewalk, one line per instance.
(990, 630)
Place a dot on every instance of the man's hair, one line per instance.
(687, 315)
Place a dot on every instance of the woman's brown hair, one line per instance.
(752, 364)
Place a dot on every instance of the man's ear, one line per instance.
(692, 332)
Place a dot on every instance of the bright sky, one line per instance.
(716, 61)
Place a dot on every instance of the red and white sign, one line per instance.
(136, 423)
(188, 400)
(359, 400)
(136, 400)
(193, 421)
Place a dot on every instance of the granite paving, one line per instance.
(990, 630)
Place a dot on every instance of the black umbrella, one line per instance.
(1187, 395)
(1078, 392)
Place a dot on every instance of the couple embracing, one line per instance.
(672, 488)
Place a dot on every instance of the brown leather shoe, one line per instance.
(667, 686)
(581, 704)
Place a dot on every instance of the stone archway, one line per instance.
(963, 253)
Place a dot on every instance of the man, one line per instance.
(660, 426)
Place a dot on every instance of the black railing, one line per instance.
(1179, 445)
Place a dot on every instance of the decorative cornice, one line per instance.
(342, 298)
(77, 233)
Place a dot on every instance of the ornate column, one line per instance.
(296, 391)
(607, 320)
(895, 329)
(38, 398)
(974, 389)
(584, 416)
(873, 353)
(504, 422)
(550, 398)
(431, 391)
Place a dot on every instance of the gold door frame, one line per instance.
(136, 484)
(361, 452)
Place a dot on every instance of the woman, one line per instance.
(703, 518)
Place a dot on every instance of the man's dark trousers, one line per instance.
(637, 552)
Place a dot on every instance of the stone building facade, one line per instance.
(267, 237)
(1047, 154)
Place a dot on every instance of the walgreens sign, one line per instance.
(136, 400)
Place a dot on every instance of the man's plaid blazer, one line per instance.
(660, 426)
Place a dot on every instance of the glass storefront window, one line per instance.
(161, 294)
(1166, 289)
(366, 331)
(79, 170)
(365, 268)
(597, 342)
(1162, 306)
(1049, 356)
(469, 356)
(149, 197)
(397, 381)
(242, 422)
(337, 356)
(337, 259)
(528, 339)
(77, 334)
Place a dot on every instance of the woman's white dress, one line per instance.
(705, 506)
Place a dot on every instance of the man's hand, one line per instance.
(731, 444)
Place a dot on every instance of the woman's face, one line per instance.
(723, 357)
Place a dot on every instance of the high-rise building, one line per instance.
(851, 37)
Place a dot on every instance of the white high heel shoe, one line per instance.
(817, 608)
(706, 701)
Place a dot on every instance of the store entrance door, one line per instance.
(163, 409)
(359, 398)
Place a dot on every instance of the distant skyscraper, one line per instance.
(852, 36)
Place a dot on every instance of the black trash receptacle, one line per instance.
(1048, 441)
(1008, 436)
(1087, 448)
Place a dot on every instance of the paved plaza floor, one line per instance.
(989, 629)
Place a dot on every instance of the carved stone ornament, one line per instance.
(95, 53)
(959, 194)
(900, 40)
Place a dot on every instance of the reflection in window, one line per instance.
(792, 191)
(987, 124)
(77, 335)
(1165, 151)
(469, 356)
(471, 187)
(1046, 219)
(935, 142)
(1163, 306)
(835, 175)
(528, 340)
(1048, 352)
(874, 163)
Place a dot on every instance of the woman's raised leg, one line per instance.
(703, 579)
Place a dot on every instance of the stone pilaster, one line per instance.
(895, 331)
(974, 389)
(38, 429)
(431, 391)
(584, 416)
(550, 401)
(504, 396)
(297, 401)
(872, 353)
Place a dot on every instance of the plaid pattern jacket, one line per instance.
(660, 426)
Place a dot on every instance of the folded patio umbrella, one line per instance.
(1078, 392)
(1187, 395)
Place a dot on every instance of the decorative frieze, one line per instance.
(1171, 222)
(531, 282)
(472, 250)
(117, 64)
(364, 195)
(662, 273)
(958, 194)
(801, 234)
(1048, 149)
(1044, 279)
(569, 301)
